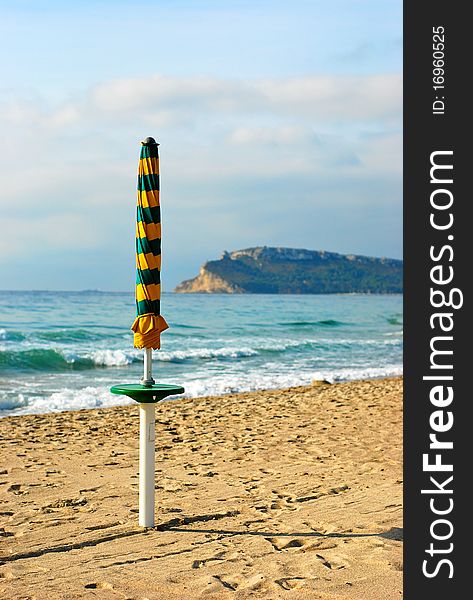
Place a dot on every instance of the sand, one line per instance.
(278, 494)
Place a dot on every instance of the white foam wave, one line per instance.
(365, 373)
(10, 402)
(104, 357)
(278, 344)
(234, 350)
(232, 383)
(120, 358)
(196, 385)
(181, 355)
(70, 399)
(269, 345)
(114, 358)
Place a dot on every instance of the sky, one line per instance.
(280, 124)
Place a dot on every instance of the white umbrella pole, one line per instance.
(147, 442)
(147, 438)
(148, 368)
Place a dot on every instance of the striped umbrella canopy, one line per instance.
(149, 323)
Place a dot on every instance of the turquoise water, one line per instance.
(63, 350)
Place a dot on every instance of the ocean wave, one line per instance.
(213, 385)
(204, 353)
(114, 358)
(57, 335)
(226, 384)
(270, 346)
(352, 374)
(11, 335)
(361, 342)
(71, 335)
(49, 359)
(60, 359)
(65, 399)
(217, 385)
(321, 323)
(9, 401)
(195, 384)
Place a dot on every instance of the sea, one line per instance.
(63, 350)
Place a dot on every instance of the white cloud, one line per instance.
(368, 97)
(328, 97)
(86, 148)
(271, 135)
(165, 100)
(229, 148)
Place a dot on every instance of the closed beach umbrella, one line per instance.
(149, 322)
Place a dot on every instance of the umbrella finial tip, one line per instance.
(149, 141)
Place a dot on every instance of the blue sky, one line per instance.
(280, 124)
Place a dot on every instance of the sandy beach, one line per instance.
(292, 493)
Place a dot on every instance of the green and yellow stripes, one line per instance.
(148, 199)
(147, 261)
(148, 169)
(149, 323)
(145, 246)
(147, 183)
(146, 307)
(149, 151)
(147, 276)
(148, 214)
(148, 232)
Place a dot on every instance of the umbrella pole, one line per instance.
(147, 442)
(148, 368)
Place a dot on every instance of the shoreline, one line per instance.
(314, 382)
(291, 493)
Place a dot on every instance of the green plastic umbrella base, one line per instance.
(147, 394)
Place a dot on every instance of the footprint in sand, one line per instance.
(289, 583)
(277, 504)
(6, 574)
(102, 585)
(17, 489)
(65, 503)
(52, 472)
(4, 533)
(324, 528)
(104, 526)
(322, 544)
(282, 544)
(307, 498)
(92, 489)
(335, 562)
(241, 583)
(222, 556)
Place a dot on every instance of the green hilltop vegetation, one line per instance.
(264, 270)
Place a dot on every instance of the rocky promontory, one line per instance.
(264, 270)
